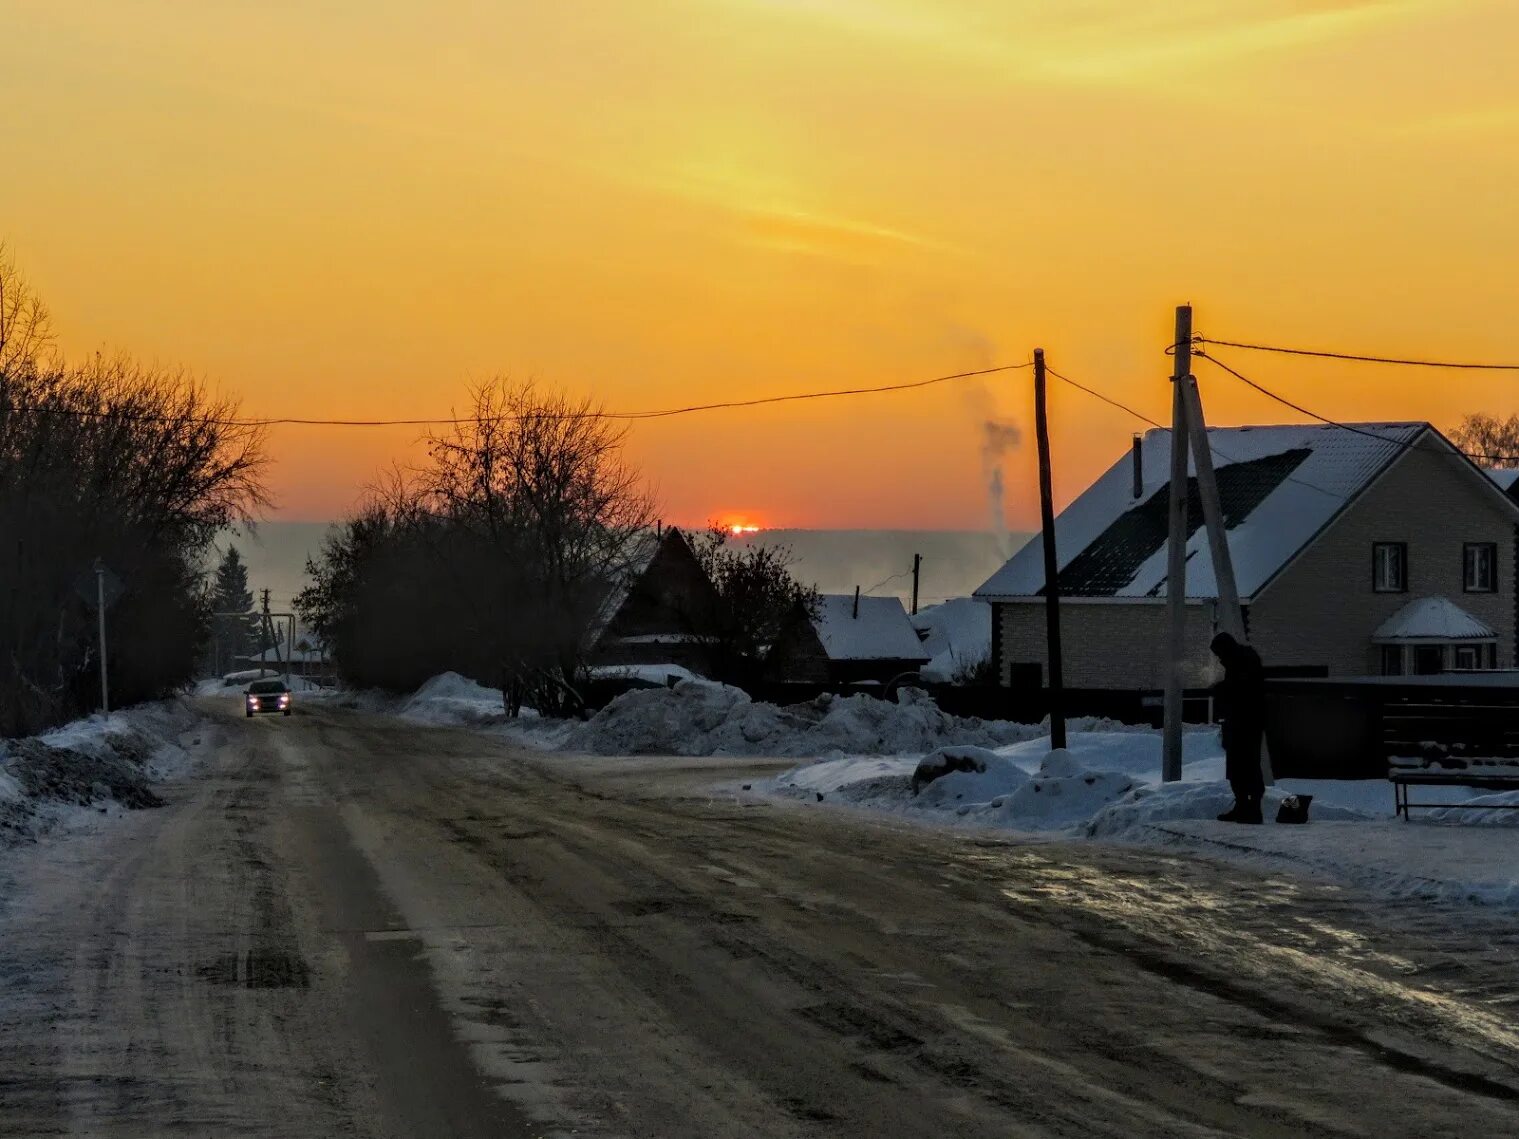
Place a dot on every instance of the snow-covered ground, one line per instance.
(862, 753)
(1106, 787)
(93, 766)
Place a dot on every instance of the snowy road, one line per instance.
(353, 926)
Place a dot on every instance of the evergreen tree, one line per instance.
(233, 636)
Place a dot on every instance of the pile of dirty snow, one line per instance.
(1021, 786)
(704, 718)
(453, 699)
(91, 763)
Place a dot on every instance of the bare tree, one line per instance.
(495, 558)
(757, 599)
(1490, 441)
(133, 465)
(26, 330)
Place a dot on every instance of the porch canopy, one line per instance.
(1433, 621)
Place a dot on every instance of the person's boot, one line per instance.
(1232, 815)
(1250, 811)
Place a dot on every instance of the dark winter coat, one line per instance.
(1240, 698)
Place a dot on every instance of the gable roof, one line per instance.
(1505, 479)
(642, 552)
(1433, 619)
(882, 630)
(1279, 487)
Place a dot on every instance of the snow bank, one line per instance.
(957, 635)
(1106, 787)
(704, 718)
(91, 763)
(1023, 786)
(452, 699)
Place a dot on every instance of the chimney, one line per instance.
(857, 603)
(1139, 466)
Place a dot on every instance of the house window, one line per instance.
(1481, 567)
(1468, 657)
(1389, 567)
(1392, 660)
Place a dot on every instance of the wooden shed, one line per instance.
(660, 610)
(848, 640)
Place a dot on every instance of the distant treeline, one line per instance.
(132, 465)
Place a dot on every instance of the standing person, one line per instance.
(1242, 698)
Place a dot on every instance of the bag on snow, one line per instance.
(1294, 809)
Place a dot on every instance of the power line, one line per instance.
(1324, 419)
(627, 416)
(1222, 454)
(1105, 399)
(1465, 365)
(888, 581)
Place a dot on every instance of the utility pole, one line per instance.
(917, 569)
(1230, 615)
(105, 684)
(1176, 554)
(1056, 683)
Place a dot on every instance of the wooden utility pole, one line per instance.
(917, 569)
(1176, 554)
(1056, 682)
(1230, 616)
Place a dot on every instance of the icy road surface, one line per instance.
(348, 925)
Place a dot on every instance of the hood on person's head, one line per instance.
(1224, 646)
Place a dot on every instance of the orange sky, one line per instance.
(353, 208)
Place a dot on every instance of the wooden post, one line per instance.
(1230, 615)
(1056, 682)
(917, 569)
(1176, 555)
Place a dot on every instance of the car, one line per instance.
(267, 696)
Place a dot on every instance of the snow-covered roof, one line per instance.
(1279, 486)
(881, 631)
(1433, 619)
(1505, 478)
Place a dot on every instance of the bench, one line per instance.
(1486, 775)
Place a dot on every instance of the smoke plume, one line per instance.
(999, 438)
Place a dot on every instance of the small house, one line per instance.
(848, 640)
(1362, 549)
(659, 610)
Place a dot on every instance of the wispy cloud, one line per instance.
(1101, 41)
(775, 213)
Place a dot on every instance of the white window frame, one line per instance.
(1470, 562)
(1380, 563)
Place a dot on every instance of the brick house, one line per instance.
(849, 640)
(1374, 550)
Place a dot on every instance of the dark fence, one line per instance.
(1349, 729)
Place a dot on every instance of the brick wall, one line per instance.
(1107, 645)
(1322, 610)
